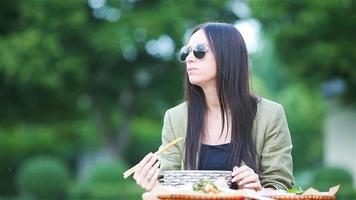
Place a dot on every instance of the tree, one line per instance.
(111, 61)
(64, 60)
(303, 105)
(314, 39)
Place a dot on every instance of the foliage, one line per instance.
(322, 178)
(105, 181)
(146, 137)
(63, 52)
(64, 140)
(303, 105)
(43, 178)
(107, 191)
(313, 38)
(68, 70)
(107, 172)
(304, 110)
(76, 59)
(326, 177)
(73, 61)
(295, 190)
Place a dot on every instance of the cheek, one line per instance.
(212, 62)
(208, 73)
(212, 68)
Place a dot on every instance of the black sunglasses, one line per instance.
(199, 52)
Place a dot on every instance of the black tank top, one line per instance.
(214, 157)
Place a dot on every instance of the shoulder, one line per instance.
(268, 111)
(177, 116)
(178, 110)
(175, 120)
(267, 107)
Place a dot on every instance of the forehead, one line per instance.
(198, 38)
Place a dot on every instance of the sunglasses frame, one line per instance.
(199, 52)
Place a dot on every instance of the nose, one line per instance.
(190, 57)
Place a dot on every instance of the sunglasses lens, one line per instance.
(199, 51)
(199, 54)
(183, 56)
(184, 53)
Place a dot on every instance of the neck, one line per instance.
(212, 99)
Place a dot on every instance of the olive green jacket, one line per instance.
(270, 133)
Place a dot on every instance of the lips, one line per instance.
(191, 69)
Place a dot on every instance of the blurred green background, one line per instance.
(84, 86)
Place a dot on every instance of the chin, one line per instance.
(199, 81)
(195, 81)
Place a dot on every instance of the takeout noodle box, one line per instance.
(177, 178)
(179, 185)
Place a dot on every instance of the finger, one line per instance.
(146, 169)
(241, 176)
(153, 182)
(149, 176)
(233, 173)
(256, 186)
(143, 168)
(141, 164)
(241, 169)
(250, 179)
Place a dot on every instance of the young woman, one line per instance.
(224, 126)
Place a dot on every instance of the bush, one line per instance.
(43, 178)
(22, 141)
(107, 172)
(305, 110)
(107, 191)
(146, 137)
(105, 181)
(327, 177)
(303, 104)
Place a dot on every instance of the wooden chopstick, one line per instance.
(133, 169)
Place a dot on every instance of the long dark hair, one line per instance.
(232, 83)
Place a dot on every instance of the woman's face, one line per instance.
(201, 72)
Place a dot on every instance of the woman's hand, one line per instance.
(147, 172)
(245, 177)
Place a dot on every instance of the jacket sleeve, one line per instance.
(170, 159)
(276, 160)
